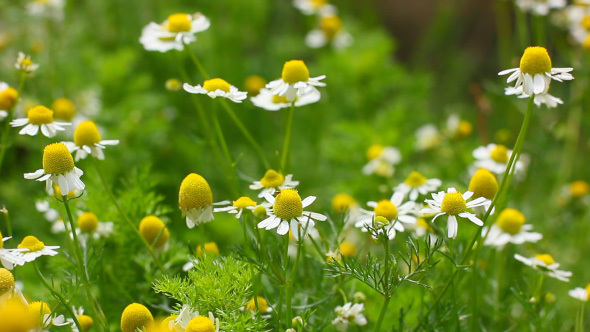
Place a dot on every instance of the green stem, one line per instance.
(291, 283)
(523, 29)
(224, 148)
(287, 144)
(386, 276)
(580, 319)
(540, 29)
(8, 226)
(197, 62)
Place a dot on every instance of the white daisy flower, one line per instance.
(330, 31)
(454, 204)
(457, 127)
(238, 206)
(85, 321)
(495, 157)
(58, 168)
(202, 323)
(392, 210)
(8, 258)
(310, 7)
(216, 87)
(535, 72)
(510, 228)
(31, 248)
(582, 294)
(87, 140)
(543, 98)
(287, 212)
(416, 184)
(24, 63)
(347, 207)
(295, 81)
(427, 137)
(349, 313)
(195, 200)
(50, 8)
(382, 160)
(546, 264)
(49, 213)
(8, 98)
(540, 7)
(578, 21)
(89, 225)
(273, 181)
(265, 99)
(39, 117)
(181, 320)
(179, 29)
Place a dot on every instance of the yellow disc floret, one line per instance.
(588, 291)
(63, 109)
(36, 312)
(88, 222)
(374, 151)
(194, 193)
(453, 204)
(260, 212)
(342, 203)
(216, 84)
(318, 3)
(243, 202)
(165, 325)
(8, 98)
(136, 316)
(585, 22)
(464, 129)
(200, 324)
(40, 115)
(32, 243)
(276, 99)
(511, 221)
(210, 248)
(262, 304)
(347, 248)
(545, 258)
(86, 134)
(179, 22)
(57, 159)
(499, 154)
(272, 179)
(415, 179)
(295, 71)
(579, 188)
(288, 204)
(151, 227)
(253, 84)
(330, 25)
(14, 316)
(483, 184)
(86, 322)
(173, 84)
(6, 280)
(386, 209)
(535, 60)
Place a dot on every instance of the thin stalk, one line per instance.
(197, 62)
(8, 226)
(523, 29)
(291, 283)
(580, 319)
(287, 143)
(226, 154)
(540, 29)
(386, 294)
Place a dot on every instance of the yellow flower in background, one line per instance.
(24, 63)
(295, 81)
(63, 109)
(8, 98)
(87, 140)
(152, 228)
(174, 33)
(58, 168)
(273, 181)
(217, 87)
(136, 316)
(39, 118)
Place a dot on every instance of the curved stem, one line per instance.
(197, 62)
(287, 143)
(8, 226)
(226, 154)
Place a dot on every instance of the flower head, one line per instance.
(195, 200)
(87, 140)
(546, 264)
(385, 216)
(271, 102)
(24, 63)
(416, 184)
(217, 87)
(272, 181)
(136, 316)
(240, 205)
(495, 157)
(540, 7)
(309, 7)
(295, 81)
(582, 294)
(349, 313)
(58, 167)
(175, 32)
(510, 228)
(63, 109)
(31, 248)
(329, 31)
(154, 231)
(8, 98)
(382, 160)
(258, 305)
(39, 117)
(203, 324)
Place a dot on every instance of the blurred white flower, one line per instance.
(172, 34)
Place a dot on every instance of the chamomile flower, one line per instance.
(8, 257)
(483, 184)
(546, 264)
(87, 140)
(391, 210)
(453, 204)
(203, 324)
(578, 21)
(39, 117)
(63, 109)
(416, 184)
(217, 87)
(457, 127)
(85, 321)
(179, 322)
(58, 168)
(154, 231)
(427, 137)
(195, 200)
(208, 248)
(172, 34)
(582, 294)
(330, 31)
(254, 84)
(577, 189)
(24, 63)
(540, 7)
(42, 318)
(49, 8)
(510, 228)
(540, 99)
(273, 181)
(347, 314)
(8, 98)
(31, 248)
(346, 206)
(287, 213)
(495, 157)
(265, 99)
(381, 160)
(295, 81)
(262, 304)
(238, 206)
(136, 316)
(535, 72)
(89, 225)
(309, 7)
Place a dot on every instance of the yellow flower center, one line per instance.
(243, 202)
(453, 204)
(210, 248)
(347, 248)
(165, 325)
(173, 84)
(32, 243)
(262, 304)
(40, 115)
(386, 209)
(579, 188)
(545, 258)
(585, 22)
(342, 203)
(194, 193)
(8, 98)
(288, 204)
(511, 221)
(179, 22)
(57, 159)
(483, 184)
(86, 322)
(276, 99)
(150, 227)
(295, 71)
(26, 62)
(586, 42)
(6, 280)
(59, 194)
(216, 84)
(86, 134)
(259, 212)
(318, 3)
(253, 84)
(63, 109)
(1, 242)
(421, 222)
(415, 179)
(374, 151)
(200, 324)
(136, 316)
(330, 25)
(88, 222)
(464, 129)
(14, 316)
(499, 154)
(535, 60)
(36, 312)
(272, 179)
(588, 291)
